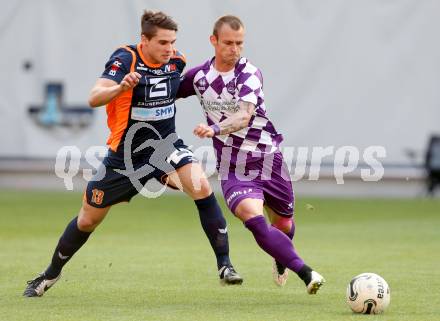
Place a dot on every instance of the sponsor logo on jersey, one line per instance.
(238, 193)
(201, 84)
(152, 114)
(222, 106)
(230, 87)
(170, 68)
(115, 67)
(167, 69)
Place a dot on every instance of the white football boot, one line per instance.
(280, 274)
(39, 285)
(316, 283)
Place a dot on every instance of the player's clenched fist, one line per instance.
(130, 80)
(203, 130)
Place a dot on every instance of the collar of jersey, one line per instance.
(224, 73)
(144, 60)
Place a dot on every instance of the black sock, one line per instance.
(214, 225)
(305, 273)
(70, 242)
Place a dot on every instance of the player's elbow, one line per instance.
(94, 101)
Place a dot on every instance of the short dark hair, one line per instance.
(232, 21)
(152, 20)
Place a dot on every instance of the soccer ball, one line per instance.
(368, 293)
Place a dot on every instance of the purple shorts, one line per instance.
(267, 179)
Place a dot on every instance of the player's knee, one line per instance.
(205, 188)
(283, 224)
(90, 217)
(248, 208)
(201, 190)
(86, 224)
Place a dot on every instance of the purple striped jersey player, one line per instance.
(253, 173)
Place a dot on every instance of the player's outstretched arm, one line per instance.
(233, 123)
(106, 89)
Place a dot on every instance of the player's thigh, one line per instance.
(191, 179)
(107, 188)
(247, 194)
(278, 189)
(110, 188)
(188, 175)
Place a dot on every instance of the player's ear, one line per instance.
(144, 39)
(213, 40)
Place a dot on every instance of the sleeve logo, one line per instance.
(115, 67)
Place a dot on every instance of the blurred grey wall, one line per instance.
(336, 72)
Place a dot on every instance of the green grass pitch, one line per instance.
(150, 260)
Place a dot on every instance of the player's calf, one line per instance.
(214, 225)
(286, 225)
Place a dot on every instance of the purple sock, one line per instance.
(275, 243)
(289, 234)
(281, 268)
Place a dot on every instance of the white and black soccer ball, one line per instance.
(368, 293)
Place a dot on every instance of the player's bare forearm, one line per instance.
(105, 89)
(239, 120)
(233, 123)
(100, 95)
